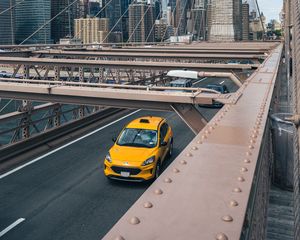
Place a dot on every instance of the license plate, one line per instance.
(125, 174)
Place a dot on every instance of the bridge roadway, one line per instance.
(66, 196)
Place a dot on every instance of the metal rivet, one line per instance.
(243, 169)
(234, 203)
(194, 148)
(167, 180)
(176, 170)
(189, 155)
(252, 141)
(119, 238)
(254, 136)
(183, 162)
(255, 131)
(199, 142)
(148, 205)
(158, 191)
(207, 132)
(251, 147)
(241, 179)
(221, 236)
(227, 218)
(204, 136)
(215, 123)
(134, 220)
(248, 153)
(237, 190)
(247, 160)
(211, 128)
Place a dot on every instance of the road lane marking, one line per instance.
(66, 145)
(11, 226)
(222, 82)
(199, 81)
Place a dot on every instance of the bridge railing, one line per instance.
(295, 89)
(217, 188)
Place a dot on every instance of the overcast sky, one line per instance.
(270, 8)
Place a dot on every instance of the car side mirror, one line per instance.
(114, 139)
(163, 144)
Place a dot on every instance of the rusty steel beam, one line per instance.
(202, 45)
(162, 55)
(204, 193)
(123, 96)
(122, 64)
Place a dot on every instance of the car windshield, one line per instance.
(138, 138)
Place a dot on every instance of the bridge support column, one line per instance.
(56, 73)
(81, 74)
(56, 118)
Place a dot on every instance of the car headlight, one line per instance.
(149, 161)
(108, 157)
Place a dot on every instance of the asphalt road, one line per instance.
(66, 196)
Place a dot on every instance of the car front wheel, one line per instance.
(157, 170)
(171, 149)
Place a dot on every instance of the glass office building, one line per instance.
(30, 16)
(6, 22)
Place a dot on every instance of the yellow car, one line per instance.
(140, 150)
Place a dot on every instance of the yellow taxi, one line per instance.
(139, 150)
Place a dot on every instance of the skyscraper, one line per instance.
(113, 12)
(141, 22)
(226, 20)
(92, 30)
(30, 16)
(62, 25)
(245, 14)
(7, 22)
(199, 19)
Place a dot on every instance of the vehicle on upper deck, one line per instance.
(181, 83)
(221, 88)
(140, 150)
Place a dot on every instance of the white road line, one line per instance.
(199, 81)
(66, 145)
(11, 226)
(222, 82)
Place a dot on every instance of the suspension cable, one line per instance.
(142, 18)
(162, 39)
(12, 7)
(180, 19)
(153, 26)
(49, 21)
(115, 25)
(260, 17)
(104, 7)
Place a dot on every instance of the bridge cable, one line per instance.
(49, 21)
(180, 19)
(97, 14)
(153, 26)
(136, 27)
(12, 7)
(172, 13)
(115, 25)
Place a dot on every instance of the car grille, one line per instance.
(132, 171)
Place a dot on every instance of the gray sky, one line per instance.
(270, 8)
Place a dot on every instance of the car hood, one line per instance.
(130, 155)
